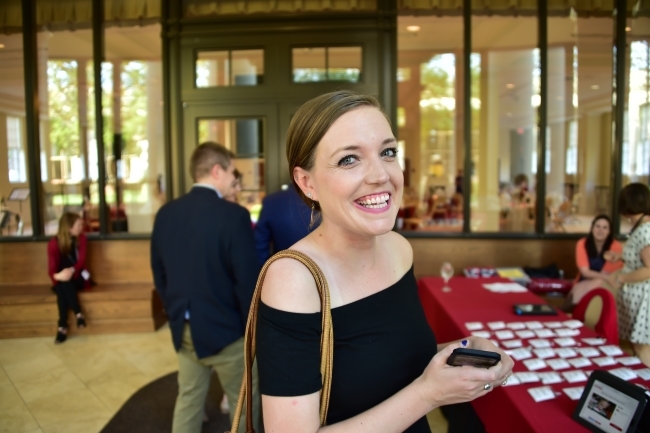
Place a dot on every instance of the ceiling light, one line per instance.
(628, 29)
(510, 86)
(595, 87)
(2, 45)
(509, 114)
(413, 28)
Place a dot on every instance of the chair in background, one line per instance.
(607, 324)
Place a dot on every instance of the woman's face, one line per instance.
(600, 230)
(77, 228)
(356, 177)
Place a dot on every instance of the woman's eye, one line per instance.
(347, 160)
(391, 152)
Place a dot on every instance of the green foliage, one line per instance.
(63, 106)
(134, 105)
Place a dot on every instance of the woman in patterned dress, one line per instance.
(633, 299)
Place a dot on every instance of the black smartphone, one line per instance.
(534, 310)
(473, 357)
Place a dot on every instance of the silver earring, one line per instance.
(309, 194)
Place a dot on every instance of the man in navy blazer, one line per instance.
(283, 221)
(205, 269)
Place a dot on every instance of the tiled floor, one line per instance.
(76, 387)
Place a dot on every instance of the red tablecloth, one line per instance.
(505, 409)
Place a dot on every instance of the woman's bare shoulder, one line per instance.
(400, 249)
(290, 286)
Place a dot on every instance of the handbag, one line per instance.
(326, 341)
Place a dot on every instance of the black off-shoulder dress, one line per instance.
(382, 343)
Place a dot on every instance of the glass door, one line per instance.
(251, 133)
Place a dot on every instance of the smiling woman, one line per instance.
(342, 156)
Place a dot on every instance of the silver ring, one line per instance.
(487, 387)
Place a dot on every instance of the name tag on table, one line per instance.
(527, 377)
(482, 334)
(588, 352)
(574, 393)
(515, 326)
(624, 373)
(512, 344)
(550, 377)
(594, 341)
(513, 380)
(629, 360)
(558, 364)
(566, 352)
(544, 333)
(553, 325)
(541, 393)
(519, 354)
(611, 350)
(496, 325)
(565, 341)
(573, 324)
(473, 326)
(504, 335)
(539, 343)
(575, 376)
(525, 334)
(643, 373)
(534, 364)
(603, 361)
(534, 325)
(567, 332)
(544, 353)
(579, 362)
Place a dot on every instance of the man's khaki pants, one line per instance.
(194, 381)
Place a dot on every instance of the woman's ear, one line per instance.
(303, 179)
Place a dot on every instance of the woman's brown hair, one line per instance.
(634, 199)
(63, 237)
(310, 123)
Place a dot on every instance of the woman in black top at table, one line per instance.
(388, 371)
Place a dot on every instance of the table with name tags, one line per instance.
(554, 355)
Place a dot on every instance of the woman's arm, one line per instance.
(588, 273)
(640, 274)
(81, 254)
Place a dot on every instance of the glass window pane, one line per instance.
(212, 69)
(245, 138)
(15, 213)
(133, 127)
(636, 131)
(247, 67)
(579, 105)
(505, 72)
(344, 64)
(309, 65)
(430, 123)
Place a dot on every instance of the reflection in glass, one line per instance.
(505, 83)
(636, 131)
(429, 126)
(15, 215)
(579, 108)
(313, 64)
(229, 68)
(245, 138)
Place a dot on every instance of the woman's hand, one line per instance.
(443, 384)
(613, 281)
(612, 256)
(64, 275)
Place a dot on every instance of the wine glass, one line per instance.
(446, 271)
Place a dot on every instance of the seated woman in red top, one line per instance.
(597, 256)
(66, 256)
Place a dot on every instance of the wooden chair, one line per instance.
(607, 324)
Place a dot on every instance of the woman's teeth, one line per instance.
(375, 202)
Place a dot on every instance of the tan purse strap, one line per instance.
(326, 341)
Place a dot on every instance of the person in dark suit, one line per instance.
(205, 269)
(284, 220)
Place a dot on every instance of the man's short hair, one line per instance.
(206, 156)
